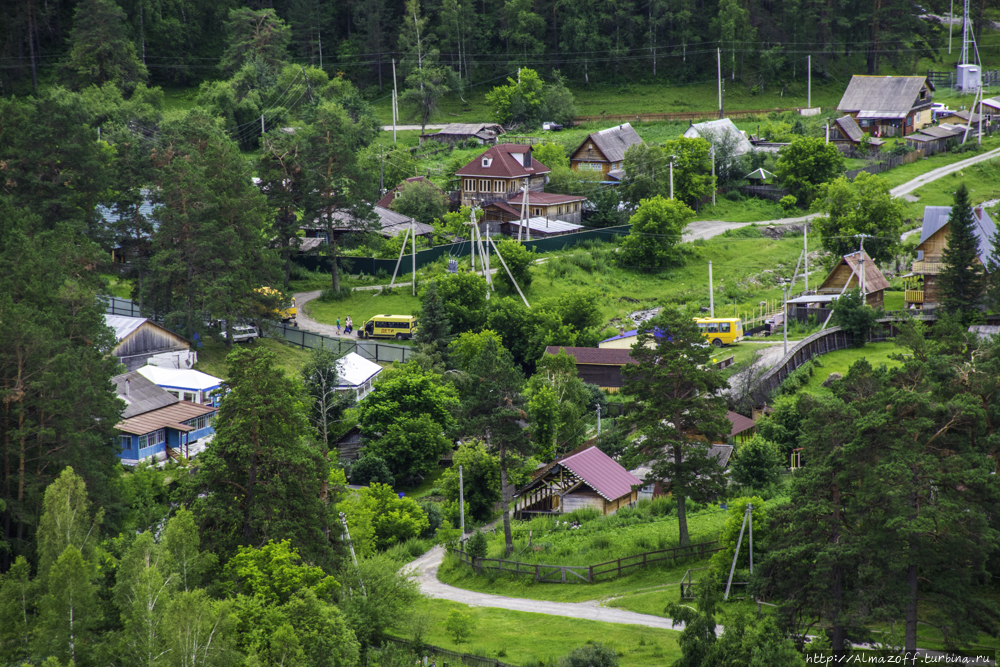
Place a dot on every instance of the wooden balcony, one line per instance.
(926, 267)
(914, 296)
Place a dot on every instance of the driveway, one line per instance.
(934, 174)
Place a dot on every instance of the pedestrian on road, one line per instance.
(338, 326)
(349, 325)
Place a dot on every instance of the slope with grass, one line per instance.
(982, 179)
(876, 354)
(212, 356)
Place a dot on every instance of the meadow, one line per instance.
(982, 179)
(212, 355)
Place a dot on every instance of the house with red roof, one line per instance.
(545, 205)
(499, 173)
(595, 365)
(584, 479)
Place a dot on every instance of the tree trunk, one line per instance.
(31, 46)
(838, 637)
(504, 500)
(910, 643)
(682, 522)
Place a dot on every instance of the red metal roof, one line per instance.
(547, 198)
(739, 422)
(595, 356)
(503, 164)
(601, 473)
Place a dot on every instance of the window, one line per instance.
(211, 419)
(724, 327)
(713, 327)
(470, 185)
(484, 186)
(125, 442)
(395, 195)
(864, 122)
(498, 186)
(923, 94)
(175, 394)
(202, 422)
(537, 211)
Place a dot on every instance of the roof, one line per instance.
(943, 131)
(616, 174)
(140, 394)
(123, 325)
(984, 331)
(168, 417)
(628, 334)
(601, 473)
(504, 206)
(505, 161)
(595, 356)
(391, 223)
(614, 141)
(936, 217)
(467, 129)
(852, 131)
(182, 378)
(967, 116)
(883, 96)
(874, 280)
(992, 102)
(813, 298)
(547, 198)
(739, 422)
(353, 370)
(720, 130)
(386, 201)
(546, 225)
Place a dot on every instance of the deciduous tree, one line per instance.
(862, 206)
(806, 163)
(656, 228)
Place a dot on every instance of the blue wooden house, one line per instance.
(157, 425)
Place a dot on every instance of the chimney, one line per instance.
(128, 386)
(979, 212)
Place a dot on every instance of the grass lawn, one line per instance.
(745, 210)
(877, 354)
(424, 488)
(363, 305)
(895, 300)
(212, 357)
(983, 181)
(908, 172)
(527, 639)
(118, 286)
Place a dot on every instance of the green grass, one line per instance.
(179, 98)
(982, 179)
(877, 354)
(895, 300)
(118, 286)
(212, 356)
(750, 209)
(424, 488)
(362, 305)
(527, 639)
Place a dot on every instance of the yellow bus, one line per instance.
(400, 327)
(284, 314)
(720, 331)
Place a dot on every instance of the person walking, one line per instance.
(348, 325)
(338, 326)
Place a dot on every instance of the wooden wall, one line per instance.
(146, 341)
(602, 376)
(935, 245)
(589, 153)
(581, 500)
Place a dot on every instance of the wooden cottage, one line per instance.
(543, 205)
(847, 273)
(586, 479)
(888, 106)
(600, 366)
(936, 139)
(922, 286)
(141, 341)
(500, 173)
(455, 133)
(604, 151)
(845, 134)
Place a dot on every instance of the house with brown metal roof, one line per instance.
(856, 270)
(157, 425)
(604, 151)
(499, 174)
(595, 365)
(889, 106)
(584, 479)
(551, 206)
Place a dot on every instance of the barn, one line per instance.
(586, 479)
(141, 341)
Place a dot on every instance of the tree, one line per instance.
(434, 331)
(142, 592)
(592, 655)
(18, 595)
(862, 206)
(275, 572)
(261, 479)
(518, 259)
(370, 469)
(493, 409)
(200, 631)
(425, 81)
(648, 170)
(544, 417)
(182, 554)
(656, 228)
(321, 381)
(806, 163)
(100, 49)
(854, 316)
(680, 409)
(459, 625)
(464, 297)
(66, 521)
(402, 393)
(255, 34)
(378, 518)
(412, 447)
(69, 610)
(961, 279)
(521, 101)
(558, 402)
(388, 605)
(559, 103)
(757, 463)
(481, 480)
(420, 200)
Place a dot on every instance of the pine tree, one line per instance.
(680, 407)
(961, 279)
(433, 334)
(100, 48)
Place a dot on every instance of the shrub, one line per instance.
(477, 545)
(379, 518)
(434, 517)
(328, 294)
(748, 232)
(370, 470)
(593, 655)
(757, 463)
(459, 625)
(789, 203)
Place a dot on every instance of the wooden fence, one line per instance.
(886, 165)
(772, 192)
(562, 574)
(683, 115)
(430, 651)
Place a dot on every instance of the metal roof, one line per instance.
(123, 325)
(140, 394)
(874, 280)
(850, 128)
(547, 198)
(720, 130)
(504, 161)
(353, 370)
(546, 225)
(614, 141)
(594, 356)
(883, 96)
(739, 422)
(168, 417)
(936, 217)
(628, 334)
(394, 223)
(181, 378)
(466, 129)
(601, 473)
(813, 298)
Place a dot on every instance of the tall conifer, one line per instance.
(961, 279)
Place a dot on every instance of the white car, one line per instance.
(939, 107)
(244, 332)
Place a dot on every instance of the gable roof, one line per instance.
(614, 141)
(739, 422)
(353, 370)
(481, 130)
(601, 473)
(140, 394)
(720, 130)
(883, 96)
(386, 201)
(936, 217)
(182, 378)
(123, 325)
(390, 222)
(170, 416)
(594, 356)
(505, 161)
(874, 280)
(632, 333)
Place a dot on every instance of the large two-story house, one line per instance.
(500, 173)
(889, 106)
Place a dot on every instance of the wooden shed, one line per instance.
(589, 478)
(141, 341)
(595, 365)
(847, 273)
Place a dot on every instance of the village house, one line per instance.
(185, 384)
(391, 195)
(936, 139)
(499, 174)
(545, 205)
(990, 108)
(604, 151)
(846, 135)
(156, 425)
(585, 479)
(456, 133)
(922, 283)
(600, 366)
(888, 106)
(388, 224)
(724, 135)
(845, 275)
(140, 341)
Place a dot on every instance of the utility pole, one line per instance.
(805, 250)
(472, 240)
(809, 82)
(718, 54)
(413, 256)
(747, 514)
(784, 318)
(711, 291)
(395, 105)
(461, 501)
(381, 171)
(671, 176)
(951, 16)
(827, 126)
(343, 520)
(714, 184)
(262, 123)
(861, 266)
(598, 421)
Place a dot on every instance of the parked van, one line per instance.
(721, 331)
(400, 327)
(244, 332)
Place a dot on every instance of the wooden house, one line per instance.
(600, 366)
(848, 272)
(922, 283)
(990, 108)
(545, 205)
(845, 134)
(499, 174)
(962, 118)
(888, 106)
(654, 488)
(391, 195)
(604, 151)
(586, 479)
(455, 133)
(720, 133)
(141, 341)
(936, 139)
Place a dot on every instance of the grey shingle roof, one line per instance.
(614, 141)
(883, 96)
(140, 395)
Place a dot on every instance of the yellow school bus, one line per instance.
(400, 327)
(720, 331)
(284, 314)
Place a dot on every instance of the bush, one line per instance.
(757, 463)
(328, 294)
(459, 625)
(789, 203)
(434, 517)
(748, 232)
(370, 470)
(379, 518)
(477, 545)
(592, 655)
